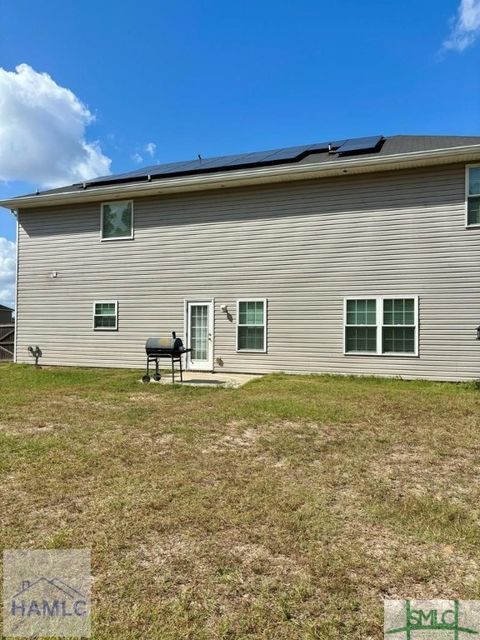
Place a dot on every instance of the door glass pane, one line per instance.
(199, 331)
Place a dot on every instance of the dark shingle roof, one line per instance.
(324, 152)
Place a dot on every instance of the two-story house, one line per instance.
(357, 256)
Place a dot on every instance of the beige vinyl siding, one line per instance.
(304, 246)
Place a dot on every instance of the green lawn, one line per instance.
(286, 509)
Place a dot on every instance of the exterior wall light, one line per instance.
(36, 352)
(478, 333)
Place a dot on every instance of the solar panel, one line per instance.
(153, 170)
(291, 153)
(210, 164)
(360, 144)
(257, 158)
(243, 159)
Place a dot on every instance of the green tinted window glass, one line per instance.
(105, 322)
(398, 311)
(398, 340)
(361, 339)
(361, 312)
(388, 312)
(250, 313)
(117, 220)
(105, 316)
(473, 213)
(251, 338)
(251, 325)
(474, 181)
(105, 308)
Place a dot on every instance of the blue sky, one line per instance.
(163, 81)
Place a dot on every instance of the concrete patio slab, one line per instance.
(207, 379)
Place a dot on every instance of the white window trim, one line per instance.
(265, 321)
(115, 328)
(467, 189)
(380, 325)
(132, 234)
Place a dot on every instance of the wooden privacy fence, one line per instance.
(7, 340)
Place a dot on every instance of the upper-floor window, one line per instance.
(379, 325)
(117, 220)
(252, 325)
(473, 196)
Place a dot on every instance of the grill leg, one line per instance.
(157, 375)
(181, 376)
(146, 377)
(173, 370)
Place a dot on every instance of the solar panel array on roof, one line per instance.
(360, 144)
(255, 159)
(209, 164)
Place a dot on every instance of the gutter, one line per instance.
(238, 178)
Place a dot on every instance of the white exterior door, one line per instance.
(199, 332)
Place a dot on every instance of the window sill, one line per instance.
(251, 351)
(381, 355)
(472, 226)
(117, 239)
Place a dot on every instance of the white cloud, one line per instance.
(466, 26)
(137, 158)
(42, 132)
(7, 272)
(150, 148)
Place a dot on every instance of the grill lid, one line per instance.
(164, 345)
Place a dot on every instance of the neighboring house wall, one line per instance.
(304, 246)
(5, 316)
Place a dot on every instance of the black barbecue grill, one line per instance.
(170, 348)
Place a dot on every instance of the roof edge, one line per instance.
(243, 177)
